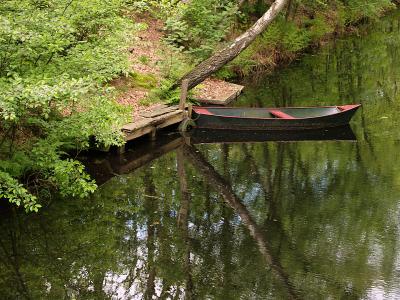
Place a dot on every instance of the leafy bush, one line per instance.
(198, 26)
(358, 9)
(55, 57)
(14, 192)
(304, 23)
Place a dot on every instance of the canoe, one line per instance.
(284, 118)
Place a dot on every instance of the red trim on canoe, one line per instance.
(347, 107)
(202, 111)
(280, 114)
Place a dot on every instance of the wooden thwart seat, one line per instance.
(280, 114)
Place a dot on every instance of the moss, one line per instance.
(147, 81)
(143, 59)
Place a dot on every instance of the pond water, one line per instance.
(246, 220)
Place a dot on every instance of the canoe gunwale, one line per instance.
(346, 108)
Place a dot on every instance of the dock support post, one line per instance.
(189, 111)
(153, 134)
(121, 149)
(184, 92)
(186, 122)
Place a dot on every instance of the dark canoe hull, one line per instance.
(211, 136)
(219, 118)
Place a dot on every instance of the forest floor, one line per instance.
(146, 56)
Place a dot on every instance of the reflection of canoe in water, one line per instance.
(286, 118)
(208, 136)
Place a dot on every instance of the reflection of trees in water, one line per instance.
(10, 258)
(183, 222)
(151, 207)
(307, 169)
(313, 212)
(223, 187)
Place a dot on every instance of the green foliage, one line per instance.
(67, 175)
(55, 57)
(318, 27)
(197, 27)
(173, 66)
(147, 81)
(358, 9)
(284, 35)
(143, 59)
(101, 119)
(21, 99)
(293, 39)
(225, 73)
(14, 192)
(303, 25)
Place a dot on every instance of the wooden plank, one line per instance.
(227, 100)
(158, 112)
(136, 125)
(142, 127)
(160, 106)
(160, 119)
(149, 121)
(138, 133)
(173, 120)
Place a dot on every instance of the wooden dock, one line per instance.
(217, 92)
(163, 115)
(150, 122)
(158, 118)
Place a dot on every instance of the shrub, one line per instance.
(198, 26)
(55, 57)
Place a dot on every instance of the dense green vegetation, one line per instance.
(330, 237)
(305, 23)
(201, 27)
(56, 57)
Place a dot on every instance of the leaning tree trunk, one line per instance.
(222, 57)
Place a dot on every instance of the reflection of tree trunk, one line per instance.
(365, 132)
(150, 206)
(228, 195)
(225, 156)
(272, 221)
(226, 233)
(13, 262)
(185, 196)
(132, 246)
(183, 221)
(265, 186)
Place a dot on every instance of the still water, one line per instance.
(265, 220)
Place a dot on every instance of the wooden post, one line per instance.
(190, 109)
(121, 149)
(153, 134)
(184, 92)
